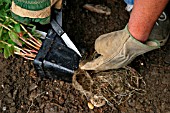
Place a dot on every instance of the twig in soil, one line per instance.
(32, 101)
(98, 9)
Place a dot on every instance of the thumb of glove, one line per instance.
(127, 49)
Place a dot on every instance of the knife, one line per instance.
(57, 28)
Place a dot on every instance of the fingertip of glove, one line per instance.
(86, 66)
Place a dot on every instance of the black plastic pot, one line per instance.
(54, 59)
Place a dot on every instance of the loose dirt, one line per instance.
(22, 90)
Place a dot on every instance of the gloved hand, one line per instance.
(117, 49)
(26, 11)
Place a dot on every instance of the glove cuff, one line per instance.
(149, 43)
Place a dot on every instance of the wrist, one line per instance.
(138, 34)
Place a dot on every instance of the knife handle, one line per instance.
(57, 28)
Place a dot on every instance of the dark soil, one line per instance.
(22, 90)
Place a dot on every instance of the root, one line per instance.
(113, 86)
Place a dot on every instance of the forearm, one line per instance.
(143, 17)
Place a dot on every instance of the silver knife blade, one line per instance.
(69, 43)
(57, 28)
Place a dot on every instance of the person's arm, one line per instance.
(119, 48)
(143, 17)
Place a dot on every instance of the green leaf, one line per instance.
(14, 38)
(1, 29)
(33, 29)
(2, 45)
(7, 52)
(17, 28)
(11, 49)
(5, 36)
(11, 42)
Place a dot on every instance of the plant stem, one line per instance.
(29, 56)
(35, 47)
(34, 42)
(4, 26)
(30, 35)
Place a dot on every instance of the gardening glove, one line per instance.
(117, 49)
(26, 11)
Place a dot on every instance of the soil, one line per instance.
(22, 90)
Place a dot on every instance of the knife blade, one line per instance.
(57, 28)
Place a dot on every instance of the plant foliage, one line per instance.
(14, 38)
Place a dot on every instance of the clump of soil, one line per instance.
(22, 90)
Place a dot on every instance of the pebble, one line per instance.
(131, 110)
(61, 100)
(61, 83)
(12, 110)
(2, 86)
(13, 104)
(42, 106)
(32, 87)
(90, 105)
(151, 111)
(4, 108)
(163, 106)
(165, 81)
(138, 106)
(132, 103)
(14, 78)
(9, 95)
(14, 93)
(9, 100)
(50, 93)
(93, 20)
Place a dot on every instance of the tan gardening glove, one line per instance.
(27, 11)
(117, 49)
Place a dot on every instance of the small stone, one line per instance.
(13, 104)
(61, 83)
(61, 100)
(132, 103)
(141, 64)
(32, 95)
(90, 105)
(45, 97)
(131, 110)
(9, 95)
(2, 86)
(14, 78)
(50, 93)
(32, 87)
(163, 106)
(93, 20)
(4, 108)
(138, 106)
(151, 111)
(12, 110)
(165, 80)
(14, 94)
(9, 100)
(42, 106)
